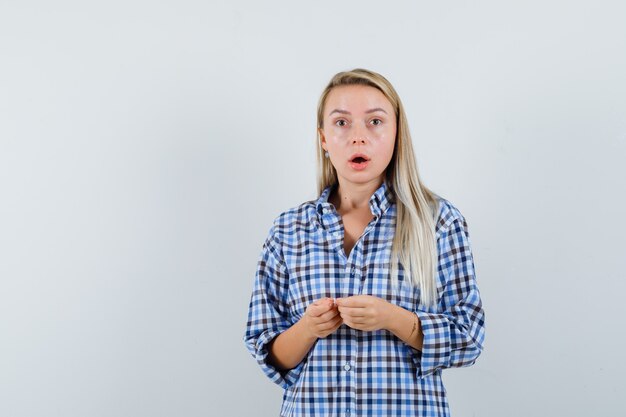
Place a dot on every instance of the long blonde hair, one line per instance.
(414, 244)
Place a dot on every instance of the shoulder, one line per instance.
(447, 215)
(288, 222)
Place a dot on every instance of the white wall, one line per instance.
(145, 148)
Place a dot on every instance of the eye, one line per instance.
(340, 122)
(378, 122)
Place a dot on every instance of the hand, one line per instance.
(365, 312)
(322, 318)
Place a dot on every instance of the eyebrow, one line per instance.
(347, 112)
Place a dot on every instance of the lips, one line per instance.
(359, 157)
(359, 161)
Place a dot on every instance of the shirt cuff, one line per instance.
(435, 351)
(284, 378)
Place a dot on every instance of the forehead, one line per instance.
(356, 98)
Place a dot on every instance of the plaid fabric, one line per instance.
(352, 372)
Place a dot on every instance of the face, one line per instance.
(358, 119)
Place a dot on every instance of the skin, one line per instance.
(359, 130)
(357, 118)
(350, 126)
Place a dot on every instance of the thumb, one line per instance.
(324, 301)
(322, 305)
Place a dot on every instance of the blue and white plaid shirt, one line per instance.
(353, 372)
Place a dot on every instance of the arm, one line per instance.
(454, 335)
(402, 326)
(288, 349)
(320, 319)
(268, 316)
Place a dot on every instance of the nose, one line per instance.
(359, 134)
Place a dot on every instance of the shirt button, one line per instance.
(352, 271)
(347, 412)
(347, 367)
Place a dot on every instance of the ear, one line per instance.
(320, 132)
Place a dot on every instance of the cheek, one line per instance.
(385, 144)
(391, 139)
(337, 135)
(384, 134)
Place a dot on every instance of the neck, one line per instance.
(350, 196)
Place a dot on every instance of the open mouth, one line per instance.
(359, 161)
(359, 157)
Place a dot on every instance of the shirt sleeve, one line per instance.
(268, 314)
(454, 336)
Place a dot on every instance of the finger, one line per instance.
(358, 320)
(313, 311)
(327, 325)
(329, 314)
(326, 303)
(324, 318)
(342, 301)
(324, 308)
(352, 301)
(323, 300)
(338, 324)
(353, 311)
(317, 309)
(338, 321)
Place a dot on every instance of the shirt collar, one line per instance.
(379, 202)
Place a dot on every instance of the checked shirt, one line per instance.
(352, 372)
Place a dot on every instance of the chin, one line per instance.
(361, 177)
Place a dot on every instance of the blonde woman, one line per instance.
(364, 295)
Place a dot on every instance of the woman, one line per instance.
(363, 296)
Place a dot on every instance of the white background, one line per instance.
(146, 147)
